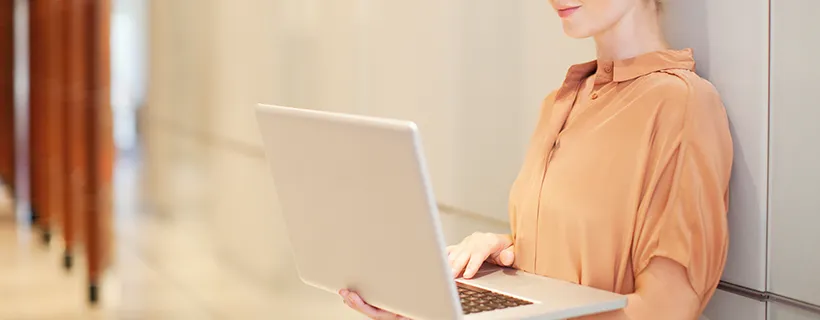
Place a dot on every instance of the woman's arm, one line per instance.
(681, 235)
(662, 292)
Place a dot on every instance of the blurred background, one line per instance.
(135, 184)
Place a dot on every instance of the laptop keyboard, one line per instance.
(475, 300)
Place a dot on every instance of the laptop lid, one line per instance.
(359, 210)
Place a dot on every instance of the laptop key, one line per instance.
(475, 300)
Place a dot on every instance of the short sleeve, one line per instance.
(683, 211)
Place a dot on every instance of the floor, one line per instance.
(170, 264)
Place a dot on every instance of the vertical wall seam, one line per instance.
(768, 147)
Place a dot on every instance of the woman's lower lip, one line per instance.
(563, 13)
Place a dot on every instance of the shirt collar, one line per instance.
(628, 69)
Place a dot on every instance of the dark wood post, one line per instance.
(7, 128)
(77, 56)
(38, 80)
(101, 149)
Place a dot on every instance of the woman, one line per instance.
(625, 184)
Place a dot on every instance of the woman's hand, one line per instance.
(466, 257)
(355, 302)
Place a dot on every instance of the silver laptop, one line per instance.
(360, 214)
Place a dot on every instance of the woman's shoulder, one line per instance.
(687, 101)
(547, 103)
(679, 84)
(681, 95)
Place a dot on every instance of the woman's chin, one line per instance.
(574, 31)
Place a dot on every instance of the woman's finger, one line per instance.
(475, 262)
(459, 262)
(374, 313)
(503, 258)
(354, 301)
(347, 296)
(506, 257)
(452, 254)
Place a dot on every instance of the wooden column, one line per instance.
(101, 148)
(47, 108)
(72, 147)
(7, 136)
(78, 90)
(54, 117)
(37, 76)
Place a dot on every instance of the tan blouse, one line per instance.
(630, 160)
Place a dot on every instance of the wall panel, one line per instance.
(794, 259)
(778, 311)
(729, 306)
(730, 40)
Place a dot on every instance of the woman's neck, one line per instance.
(637, 32)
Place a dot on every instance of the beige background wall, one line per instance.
(470, 73)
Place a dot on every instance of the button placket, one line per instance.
(606, 77)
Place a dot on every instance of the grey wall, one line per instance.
(766, 72)
(729, 306)
(794, 216)
(730, 39)
(777, 311)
